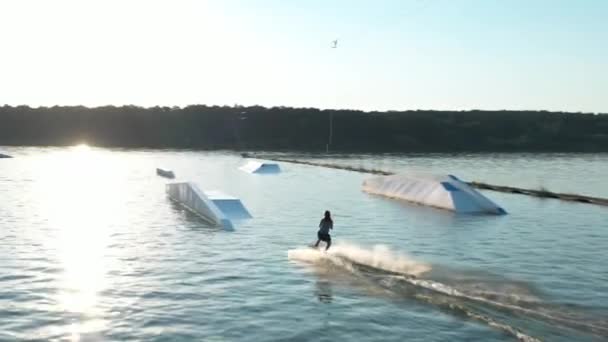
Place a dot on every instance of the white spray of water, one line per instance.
(350, 257)
(379, 256)
(346, 255)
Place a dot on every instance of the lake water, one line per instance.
(93, 250)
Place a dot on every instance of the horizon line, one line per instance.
(298, 107)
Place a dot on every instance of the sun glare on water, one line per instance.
(81, 196)
(81, 148)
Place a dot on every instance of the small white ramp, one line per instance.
(231, 206)
(259, 167)
(214, 207)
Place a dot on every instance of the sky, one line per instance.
(391, 54)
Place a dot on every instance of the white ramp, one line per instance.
(232, 207)
(260, 167)
(441, 191)
(192, 198)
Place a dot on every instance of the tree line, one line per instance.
(305, 129)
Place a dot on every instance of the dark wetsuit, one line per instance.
(324, 227)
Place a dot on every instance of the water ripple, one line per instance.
(93, 249)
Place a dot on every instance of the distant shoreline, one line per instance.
(283, 129)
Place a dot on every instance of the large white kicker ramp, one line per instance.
(441, 191)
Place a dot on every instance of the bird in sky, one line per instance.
(334, 44)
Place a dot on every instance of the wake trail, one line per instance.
(392, 266)
(452, 292)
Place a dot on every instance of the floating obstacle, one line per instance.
(542, 193)
(230, 206)
(260, 167)
(165, 173)
(214, 207)
(478, 185)
(333, 166)
(440, 191)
